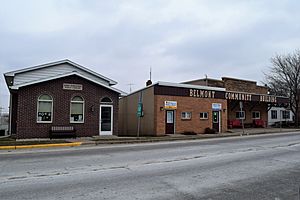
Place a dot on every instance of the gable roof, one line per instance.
(16, 87)
(66, 61)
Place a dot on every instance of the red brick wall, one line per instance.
(27, 127)
(14, 113)
(189, 104)
(248, 107)
(232, 84)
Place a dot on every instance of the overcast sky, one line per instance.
(180, 40)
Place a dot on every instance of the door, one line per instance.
(216, 121)
(106, 119)
(169, 121)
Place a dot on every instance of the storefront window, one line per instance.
(285, 114)
(255, 115)
(274, 114)
(186, 115)
(77, 110)
(45, 109)
(240, 114)
(203, 115)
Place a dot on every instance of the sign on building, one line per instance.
(140, 110)
(69, 86)
(171, 105)
(216, 106)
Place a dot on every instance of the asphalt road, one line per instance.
(248, 167)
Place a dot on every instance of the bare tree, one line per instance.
(284, 79)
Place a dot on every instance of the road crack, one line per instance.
(173, 160)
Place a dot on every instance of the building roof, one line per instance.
(202, 79)
(54, 70)
(180, 85)
(183, 85)
(16, 87)
(66, 61)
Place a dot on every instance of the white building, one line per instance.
(277, 114)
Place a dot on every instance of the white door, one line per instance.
(106, 120)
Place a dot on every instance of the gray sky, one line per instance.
(180, 40)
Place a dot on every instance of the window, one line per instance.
(203, 115)
(186, 115)
(255, 115)
(77, 110)
(106, 100)
(285, 114)
(273, 114)
(240, 114)
(44, 109)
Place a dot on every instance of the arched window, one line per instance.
(77, 110)
(45, 109)
(106, 100)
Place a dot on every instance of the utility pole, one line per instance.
(242, 117)
(1, 108)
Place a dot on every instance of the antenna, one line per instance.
(130, 84)
(150, 73)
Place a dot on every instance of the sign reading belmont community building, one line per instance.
(197, 93)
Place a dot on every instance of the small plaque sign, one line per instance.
(171, 105)
(216, 106)
(69, 86)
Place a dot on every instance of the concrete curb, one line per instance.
(72, 144)
(152, 140)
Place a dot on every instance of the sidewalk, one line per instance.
(99, 140)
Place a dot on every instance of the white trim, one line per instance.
(16, 87)
(186, 115)
(37, 110)
(219, 120)
(203, 114)
(276, 114)
(13, 73)
(83, 108)
(112, 120)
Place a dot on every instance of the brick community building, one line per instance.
(193, 106)
(63, 95)
(66, 97)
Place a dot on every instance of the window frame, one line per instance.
(255, 115)
(106, 102)
(204, 115)
(37, 109)
(286, 114)
(83, 108)
(276, 112)
(240, 115)
(185, 117)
